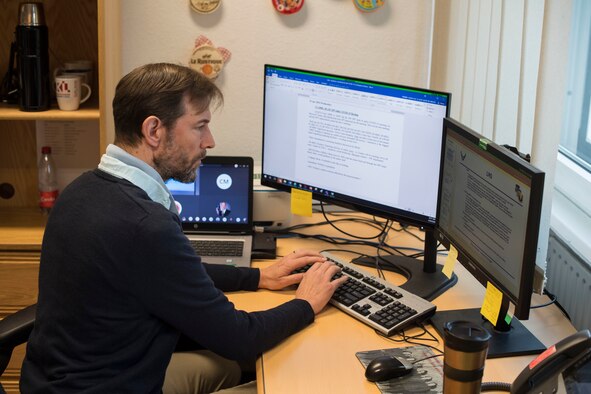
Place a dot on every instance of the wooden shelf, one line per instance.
(21, 229)
(11, 112)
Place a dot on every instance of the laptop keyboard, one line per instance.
(217, 248)
(375, 302)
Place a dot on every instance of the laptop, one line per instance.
(216, 209)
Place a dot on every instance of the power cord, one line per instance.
(553, 300)
(411, 338)
(383, 231)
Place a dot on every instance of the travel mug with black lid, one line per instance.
(465, 350)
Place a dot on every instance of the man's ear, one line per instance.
(153, 131)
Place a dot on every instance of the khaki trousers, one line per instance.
(202, 371)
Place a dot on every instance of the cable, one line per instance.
(346, 241)
(345, 251)
(553, 300)
(346, 233)
(377, 257)
(382, 226)
(426, 358)
(406, 230)
(373, 223)
(406, 338)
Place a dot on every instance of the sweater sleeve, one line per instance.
(230, 278)
(173, 284)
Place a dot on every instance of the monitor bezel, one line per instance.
(521, 300)
(345, 201)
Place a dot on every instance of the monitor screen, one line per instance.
(219, 199)
(489, 211)
(370, 146)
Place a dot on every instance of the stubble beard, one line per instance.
(180, 168)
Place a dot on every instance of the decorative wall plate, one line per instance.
(288, 6)
(205, 6)
(368, 5)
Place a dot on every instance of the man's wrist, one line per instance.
(262, 279)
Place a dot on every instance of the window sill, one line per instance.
(571, 206)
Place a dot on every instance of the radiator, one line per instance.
(569, 279)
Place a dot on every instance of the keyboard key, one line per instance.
(217, 247)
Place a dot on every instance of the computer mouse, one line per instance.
(387, 367)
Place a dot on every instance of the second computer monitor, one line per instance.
(489, 212)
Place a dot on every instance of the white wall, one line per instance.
(391, 44)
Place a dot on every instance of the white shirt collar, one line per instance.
(121, 164)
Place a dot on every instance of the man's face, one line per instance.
(185, 145)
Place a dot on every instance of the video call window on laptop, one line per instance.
(216, 209)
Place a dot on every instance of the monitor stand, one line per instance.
(506, 340)
(423, 278)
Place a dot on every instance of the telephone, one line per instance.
(571, 358)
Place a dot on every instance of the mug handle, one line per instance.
(82, 100)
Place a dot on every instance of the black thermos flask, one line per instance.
(33, 58)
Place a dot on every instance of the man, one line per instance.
(223, 209)
(119, 282)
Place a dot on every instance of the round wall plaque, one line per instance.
(205, 6)
(288, 6)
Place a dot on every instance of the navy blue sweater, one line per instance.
(118, 284)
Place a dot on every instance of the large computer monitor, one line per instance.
(489, 208)
(373, 147)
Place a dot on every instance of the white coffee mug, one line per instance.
(68, 91)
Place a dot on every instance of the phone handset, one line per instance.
(541, 375)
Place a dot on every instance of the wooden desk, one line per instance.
(321, 358)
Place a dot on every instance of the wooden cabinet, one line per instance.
(73, 27)
(78, 29)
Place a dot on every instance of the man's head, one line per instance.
(158, 89)
(161, 114)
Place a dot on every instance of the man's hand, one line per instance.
(317, 285)
(279, 275)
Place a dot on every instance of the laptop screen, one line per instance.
(220, 199)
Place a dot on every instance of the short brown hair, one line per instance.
(158, 89)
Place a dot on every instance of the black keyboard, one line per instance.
(375, 302)
(208, 247)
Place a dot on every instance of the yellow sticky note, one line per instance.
(450, 262)
(301, 202)
(491, 307)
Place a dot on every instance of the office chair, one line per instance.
(15, 330)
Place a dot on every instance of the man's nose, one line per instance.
(208, 141)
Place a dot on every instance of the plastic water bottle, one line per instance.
(48, 190)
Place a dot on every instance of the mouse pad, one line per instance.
(426, 377)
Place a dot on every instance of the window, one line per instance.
(575, 140)
(571, 211)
